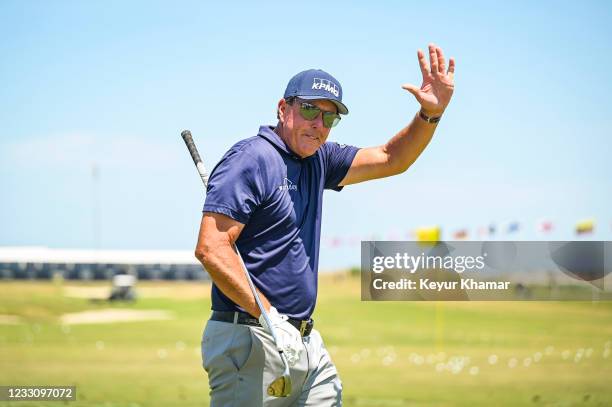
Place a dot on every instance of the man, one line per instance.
(265, 195)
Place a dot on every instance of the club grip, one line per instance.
(186, 135)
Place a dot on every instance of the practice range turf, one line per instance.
(387, 353)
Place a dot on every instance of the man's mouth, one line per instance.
(312, 137)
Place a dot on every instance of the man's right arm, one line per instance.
(215, 250)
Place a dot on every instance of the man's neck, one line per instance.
(279, 131)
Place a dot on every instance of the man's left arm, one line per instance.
(404, 148)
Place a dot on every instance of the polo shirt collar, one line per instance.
(268, 133)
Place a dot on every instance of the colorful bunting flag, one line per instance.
(585, 226)
(545, 226)
(434, 233)
(460, 234)
(483, 231)
(428, 234)
(513, 227)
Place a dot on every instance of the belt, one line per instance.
(237, 317)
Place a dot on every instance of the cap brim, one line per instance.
(342, 109)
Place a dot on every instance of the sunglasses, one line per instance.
(310, 112)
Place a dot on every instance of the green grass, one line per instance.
(387, 353)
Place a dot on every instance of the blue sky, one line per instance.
(112, 84)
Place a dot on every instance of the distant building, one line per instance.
(84, 264)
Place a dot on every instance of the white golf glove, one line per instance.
(289, 338)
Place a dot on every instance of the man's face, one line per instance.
(303, 137)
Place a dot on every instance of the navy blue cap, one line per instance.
(316, 84)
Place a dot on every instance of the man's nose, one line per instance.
(317, 122)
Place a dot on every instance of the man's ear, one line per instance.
(281, 110)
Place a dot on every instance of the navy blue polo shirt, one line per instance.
(278, 197)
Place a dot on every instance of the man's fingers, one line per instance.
(441, 62)
(423, 64)
(451, 68)
(433, 59)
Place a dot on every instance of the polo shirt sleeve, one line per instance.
(337, 159)
(235, 187)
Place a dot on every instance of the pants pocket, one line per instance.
(226, 344)
(240, 348)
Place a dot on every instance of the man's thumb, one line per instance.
(412, 89)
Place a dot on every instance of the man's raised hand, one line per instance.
(438, 82)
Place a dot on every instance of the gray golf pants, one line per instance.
(241, 361)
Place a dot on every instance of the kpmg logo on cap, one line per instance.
(327, 85)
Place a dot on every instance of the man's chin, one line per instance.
(307, 152)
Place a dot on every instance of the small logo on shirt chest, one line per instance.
(287, 185)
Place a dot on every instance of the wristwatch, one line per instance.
(427, 118)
